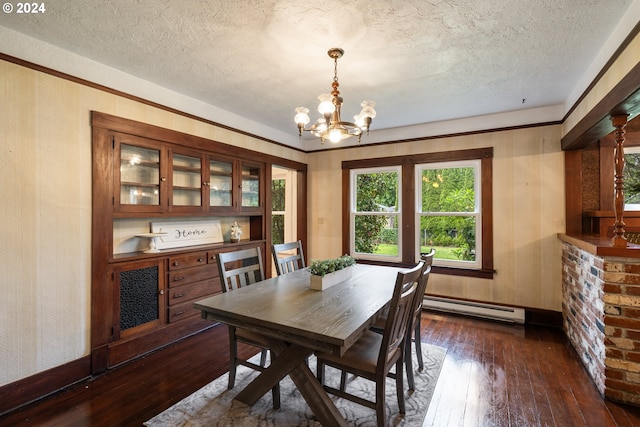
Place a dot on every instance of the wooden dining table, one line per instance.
(297, 321)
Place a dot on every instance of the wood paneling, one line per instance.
(624, 98)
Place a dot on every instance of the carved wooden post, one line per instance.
(618, 237)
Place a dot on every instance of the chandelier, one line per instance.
(330, 126)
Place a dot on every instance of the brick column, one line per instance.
(601, 310)
(622, 329)
(583, 309)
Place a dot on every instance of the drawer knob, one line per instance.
(178, 295)
(200, 259)
(176, 263)
(178, 278)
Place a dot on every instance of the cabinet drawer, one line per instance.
(192, 291)
(182, 311)
(187, 260)
(195, 274)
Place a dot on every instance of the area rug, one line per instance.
(213, 405)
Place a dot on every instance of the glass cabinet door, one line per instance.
(186, 180)
(251, 185)
(220, 183)
(139, 175)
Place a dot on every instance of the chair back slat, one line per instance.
(400, 313)
(288, 257)
(240, 268)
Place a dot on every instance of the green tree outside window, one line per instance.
(277, 205)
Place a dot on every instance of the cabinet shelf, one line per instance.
(188, 169)
(185, 188)
(138, 163)
(139, 184)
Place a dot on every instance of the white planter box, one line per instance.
(320, 283)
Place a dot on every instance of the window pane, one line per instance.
(453, 237)
(277, 229)
(376, 235)
(278, 195)
(377, 192)
(448, 190)
(632, 181)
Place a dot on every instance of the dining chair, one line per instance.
(416, 321)
(416, 324)
(239, 269)
(373, 355)
(288, 257)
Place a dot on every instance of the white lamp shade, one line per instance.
(302, 116)
(367, 109)
(326, 105)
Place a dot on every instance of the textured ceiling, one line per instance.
(422, 61)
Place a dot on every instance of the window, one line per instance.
(402, 206)
(632, 179)
(278, 196)
(375, 213)
(448, 216)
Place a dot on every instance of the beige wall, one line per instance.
(528, 209)
(45, 217)
(528, 197)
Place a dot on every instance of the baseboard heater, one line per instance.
(478, 309)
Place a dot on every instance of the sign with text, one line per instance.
(187, 233)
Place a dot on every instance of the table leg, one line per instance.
(291, 360)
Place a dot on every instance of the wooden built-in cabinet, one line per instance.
(142, 301)
(141, 174)
(157, 177)
(152, 298)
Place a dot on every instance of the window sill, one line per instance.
(451, 271)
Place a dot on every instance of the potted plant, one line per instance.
(329, 272)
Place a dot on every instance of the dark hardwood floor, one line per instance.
(494, 375)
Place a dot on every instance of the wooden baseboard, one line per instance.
(128, 349)
(27, 390)
(539, 316)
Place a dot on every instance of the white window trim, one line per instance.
(352, 213)
(476, 164)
